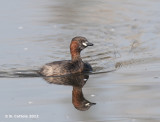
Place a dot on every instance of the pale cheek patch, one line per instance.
(85, 79)
(87, 104)
(84, 44)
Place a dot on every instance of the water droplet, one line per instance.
(25, 48)
(112, 29)
(20, 27)
(92, 95)
(30, 102)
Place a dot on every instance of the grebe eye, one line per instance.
(84, 44)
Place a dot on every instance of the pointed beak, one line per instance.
(93, 104)
(89, 44)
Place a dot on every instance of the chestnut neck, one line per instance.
(75, 52)
(77, 96)
(76, 56)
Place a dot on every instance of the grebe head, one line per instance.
(78, 43)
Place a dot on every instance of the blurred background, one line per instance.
(126, 37)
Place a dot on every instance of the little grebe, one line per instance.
(76, 65)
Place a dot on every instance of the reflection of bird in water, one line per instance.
(79, 101)
(77, 81)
